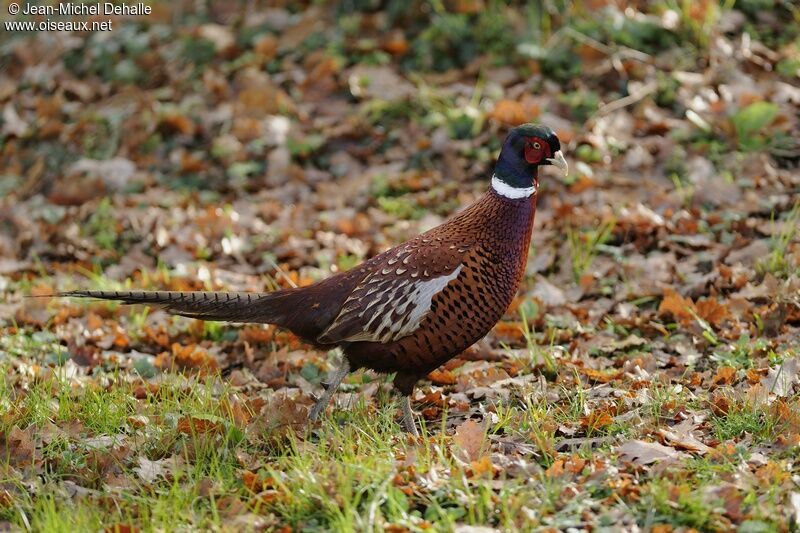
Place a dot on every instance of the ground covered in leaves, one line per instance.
(646, 376)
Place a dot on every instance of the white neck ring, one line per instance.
(507, 191)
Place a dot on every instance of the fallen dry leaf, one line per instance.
(191, 425)
(280, 413)
(682, 309)
(509, 112)
(382, 82)
(724, 376)
(645, 453)
(780, 378)
(470, 441)
(442, 377)
(712, 311)
(188, 357)
(601, 376)
(681, 436)
(149, 471)
(483, 467)
(21, 447)
(597, 419)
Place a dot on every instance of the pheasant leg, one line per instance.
(330, 389)
(408, 416)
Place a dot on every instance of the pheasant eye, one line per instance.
(537, 146)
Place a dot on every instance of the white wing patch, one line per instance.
(397, 306)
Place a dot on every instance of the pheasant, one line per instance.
(412, 308)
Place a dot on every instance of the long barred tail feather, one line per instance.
(227, 306)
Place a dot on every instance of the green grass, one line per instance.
(356, 470)
(679, 506)
(776, 262)
(104, 416)
(342, 476)
(743, 417)
(585, 246)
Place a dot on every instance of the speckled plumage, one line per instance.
(412, 308)
(489, 242)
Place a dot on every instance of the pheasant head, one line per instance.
(526, 148)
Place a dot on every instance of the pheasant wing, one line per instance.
(395, 296)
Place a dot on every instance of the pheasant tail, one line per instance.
(263, 308)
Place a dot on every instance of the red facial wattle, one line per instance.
(536, 150)
(532, 155)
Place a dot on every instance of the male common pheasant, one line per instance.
(411, 308)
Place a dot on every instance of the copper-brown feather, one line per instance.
(490, 240)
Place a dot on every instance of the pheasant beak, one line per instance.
(559, 161)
